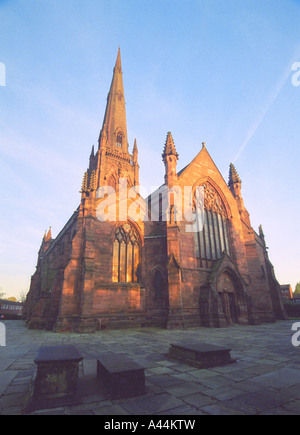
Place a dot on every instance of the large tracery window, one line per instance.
(126, 255)
(211, 235)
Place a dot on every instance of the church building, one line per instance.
(125, 261)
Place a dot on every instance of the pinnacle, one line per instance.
(233, 175)
(170, 146)
(118, 61)
(48, 236)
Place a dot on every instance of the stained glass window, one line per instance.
(126, 255)
(212, 238)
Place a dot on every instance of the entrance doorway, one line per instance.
(227, 294)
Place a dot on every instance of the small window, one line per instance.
(119, 140)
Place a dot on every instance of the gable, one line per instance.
(202, 169)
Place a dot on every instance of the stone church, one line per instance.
(115, 271)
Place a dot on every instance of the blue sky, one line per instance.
(218, 71)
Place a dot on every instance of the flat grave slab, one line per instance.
(201, 355)
(121, 376)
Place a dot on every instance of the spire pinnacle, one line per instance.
(114, 127)
(170, 147)
(233, 176)
(135, 151)
(48, 236)
(170, 157)
(118, 61)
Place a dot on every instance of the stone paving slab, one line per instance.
(279, 378)
(6, 379)
(152, 404)
(265, 379)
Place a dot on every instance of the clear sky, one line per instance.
(218, 71)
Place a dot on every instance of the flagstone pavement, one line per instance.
(264, 380)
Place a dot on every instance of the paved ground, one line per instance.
(265, 379)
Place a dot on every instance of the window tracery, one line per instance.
(126, 255)
(211, 235)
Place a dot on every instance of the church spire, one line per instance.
(114, 128)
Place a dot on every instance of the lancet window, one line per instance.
(119, 139)
(126, 255)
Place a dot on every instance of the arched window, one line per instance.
(126, 255)
(211, 235)
(119, 139)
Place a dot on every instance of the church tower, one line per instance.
(112, 160)
(109, 248)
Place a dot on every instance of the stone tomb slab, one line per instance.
(201, 355)
(56, 382)
(121, 376)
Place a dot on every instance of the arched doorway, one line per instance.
(227, 293)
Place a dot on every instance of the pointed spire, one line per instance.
(118, 61)
(49, 235)
(135, 151)
(170, 147)
(93, 151)
(170, 157)
(233, 176)
(114, 128)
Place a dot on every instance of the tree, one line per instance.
(22, 296)
(2, 294)
(297, 290)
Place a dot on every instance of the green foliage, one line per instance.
(297, 290)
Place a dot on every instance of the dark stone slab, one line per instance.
(201, 355)
(56, 382)
(66, 353)
(121, 376)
